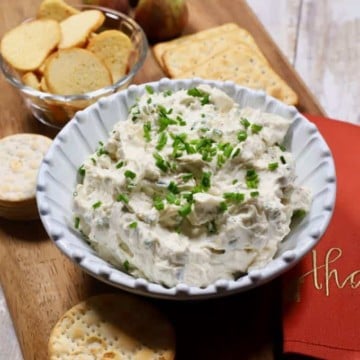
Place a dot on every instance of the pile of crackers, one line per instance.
(225, 52)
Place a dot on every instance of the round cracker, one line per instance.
(113, 47)
(30, 79)
(55, 9)
(75, 71)
(20, 159)
(26, 46)
(112, 326)
(76, 28)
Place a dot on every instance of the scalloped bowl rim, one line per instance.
(66, 239)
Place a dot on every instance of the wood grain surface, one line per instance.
(40, 284)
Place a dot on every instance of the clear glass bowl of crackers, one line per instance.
(66, 58)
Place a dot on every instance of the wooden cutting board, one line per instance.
(40, 284)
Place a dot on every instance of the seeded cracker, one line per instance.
(110, 326)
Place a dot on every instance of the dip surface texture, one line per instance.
(191, 188)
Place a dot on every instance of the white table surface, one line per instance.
(321, 38)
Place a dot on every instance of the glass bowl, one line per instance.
(57, 110)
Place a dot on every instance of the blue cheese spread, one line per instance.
(190, 188)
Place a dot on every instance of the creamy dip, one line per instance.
(191, 188)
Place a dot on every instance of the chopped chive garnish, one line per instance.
(228, 150)
(252, 179)
(298, 214)
(245, 122)
(101, 143)
(158, 203)
(130, 174)
(187, 177)
(188, 196)
(167, 93)
(119, 165)
(161, 163)
(206, 180)
(149, 100)
(76, 222)
(181, 121)
(82, 170)
(254, 194)
(255, 128)
(123, 198)
(282, 147)
(133, 225)
(242, 135)
(161, 141)
(236, 153)
(273, 166)
(93, 161)
(223, 206)
(149, 89)
(235, 181)
(126, 266)
(220, 160)
(234, 196)
(282, 159)
(185, 210)
(97, 204)
(200, 94)
(172, 187)
(171, 198)
(147, 131)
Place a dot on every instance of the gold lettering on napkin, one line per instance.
(327, 274)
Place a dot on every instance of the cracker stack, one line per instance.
(115, 327)
(20, 158)
(226, 52)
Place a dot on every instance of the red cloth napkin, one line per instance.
(321, 312)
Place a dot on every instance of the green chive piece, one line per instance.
(97, 204)
(161, 163)
(158, 203)
(235, 181)
(181, 121)
(223, 207)
(200, 94)
(130, 174)
(245, 122)
(161, 141)
(76, 222)
(185, 210)
(149, 100)
(282, 147)
(228, 150)
(126, 266)
(82, 170)
(149, 89)
(273, 166)
(123, 198)
(234, 197)
(298, 214)
(236, 153)
(252, 179)
(255, 128)
(167, 93)
(206, 180)
(282, 159)
(133, 225)
(119, 165)
(242, 135)
(172, 187)
(93, 161)
(254, 194)
(171, 198)
(187, 177)
(147, 131)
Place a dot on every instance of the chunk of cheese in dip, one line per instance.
(191, 188)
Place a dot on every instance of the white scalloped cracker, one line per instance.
(111, 326)
(20, 159)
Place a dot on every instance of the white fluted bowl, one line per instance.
(79, 138)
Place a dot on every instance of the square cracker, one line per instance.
(160, 48)
(193, 52)
(243, 66)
